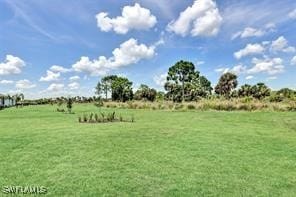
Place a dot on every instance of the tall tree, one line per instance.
(181, 73)
(104, 86)
(205, 85)
(121, 89)
(226, 84)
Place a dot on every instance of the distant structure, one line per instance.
(7, 101)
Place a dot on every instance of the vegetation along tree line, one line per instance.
(185, 83)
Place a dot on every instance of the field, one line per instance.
(163, 153)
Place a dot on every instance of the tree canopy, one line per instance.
(184, 83)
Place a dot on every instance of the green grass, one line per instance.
(164, 153)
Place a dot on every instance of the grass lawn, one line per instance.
(163, 153)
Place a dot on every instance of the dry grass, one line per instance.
(208, 104)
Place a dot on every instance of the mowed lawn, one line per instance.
(164, 153)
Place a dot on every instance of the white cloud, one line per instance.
(250, 49)
(249, 77)
(200, 19)
(133, 17)
(160, 80)
(270, 66)
(51, 76)
(281, 45)
(222, 70)
(248, 32)
(293, 61)
(198, 63)
(74, 78)
(271, 78)
(253, 32)
(60, 69)
(129, 52)
(74, 86)
(6, 82)
(238, 69)
(292, 14)
(92, 67)
(11, 65)
(56, 87)
(24, 84)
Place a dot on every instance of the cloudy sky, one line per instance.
(58, 47)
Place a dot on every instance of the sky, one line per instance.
(56, 48)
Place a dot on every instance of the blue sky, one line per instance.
(57, 47)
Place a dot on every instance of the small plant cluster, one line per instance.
(61, 110)
(103, 118)
(69, 105)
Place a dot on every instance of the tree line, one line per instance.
(185, 83)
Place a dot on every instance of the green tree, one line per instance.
(104, 86)
(226, 84)
(245, 91)
(286, 93)
(145, 93)
(205, 86)
(260, 91)
(121, 89)
(160, 96)
(180, 74)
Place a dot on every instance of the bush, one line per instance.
(190, 107)
(109, 117)
(99, 104)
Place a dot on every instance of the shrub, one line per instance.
(60, 110)
(85, 118)
(111, 117)
(99, 104)
(132, 118)
(69, 105)
(96, 117)
(190, 107)
(91, 118)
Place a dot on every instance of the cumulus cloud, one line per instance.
(11, 65)
(200, 19)
(250, 49)
(74, 78)
(292, 14)
(24, 84)
(281, 45)
(293, 61)
(238, 69)
(254, 32)
(56, 87)
(60, 69)
(270, 66)
(50, 76)
(160, 80)
(6, 82)
(129, 52)
(132, 17)
(74, 86)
